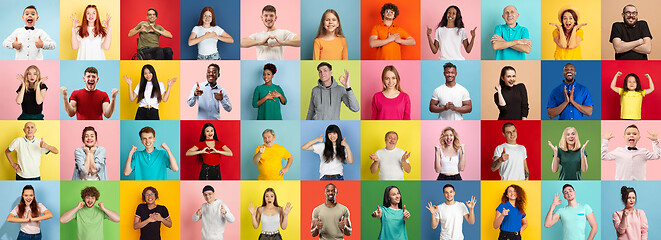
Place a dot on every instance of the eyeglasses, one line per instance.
(390, 11)
(150, 194)
(630, 13)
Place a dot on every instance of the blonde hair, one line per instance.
(27, 70)
(563, 140)
(390, 68)
(455, 143)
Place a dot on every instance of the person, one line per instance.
(207, 151)
(568, 35)
(450, 156)
(270, 43)
(29, 213)
(89, 218)
(330, 220)
(149, 216)
(89, 103)
(511, 41)
(268, 158)
(387, 37)
(510, 158)
(450, 36)
(31, 94)
(330, 44)
(450, 100)
(393, 215)
(270, 215)
(148, 37)
(450, 214)
(333, 153)
(214, 214)
(268, 97)
(90, 158)
(631, 162)
(573, 216)
(209, 95)
(151, 163)
(35, 39)
(390, 162)
(328, 108)
(391, 103)
(511, 97)
(89, 37)
(206, 35)
(570, 100)
(630, 223)
(511, 214)
(631, 38)
(569, 157)
(631, 95)
(149, 92)
(28, 151)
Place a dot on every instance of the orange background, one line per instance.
(408, 18)
(348, 194)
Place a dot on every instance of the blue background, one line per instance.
(45, 192)
(287, 134)
(166, 131)
(647, 199)
(434, 193)
(587, 74)
(287, 77)
(49, 21)
(310, 161)
(71, 76)
(227, 15)
(468, 75)
(529, 17)
(311, 13)
(587, 192)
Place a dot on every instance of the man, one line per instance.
(29, 40)
(510, 40)
(89, 219)
(510, 158)
(573, 216)
(631, 162)
(268, 158)
(450, 100)
(570, 100)
(631, 38)
(28, 151)
(151, 163)
(330, 221)
(89, 103)
(450, 214)
(149, 32)
(214, 213)
(327, 96)
(390, 162)
(270, 43)
(387, 37)
(208, 95)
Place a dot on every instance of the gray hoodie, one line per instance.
(325, 101)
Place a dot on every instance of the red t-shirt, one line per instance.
(89, 103)
(212, 159)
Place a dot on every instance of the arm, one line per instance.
(136, 30)
(113, 216)
(68, 215)
(316, 54)
(47, 215)
(166, 96)
(311, 107)
(499, 218)
(593, 226)
(248, 42)
(109, 108)
(132, 94)
(559, 36)
(526, 170)
(290, 160)
(167, 221)
(284, 216)
(584, 157)
(555, 111)
(350, 100)
(127, 166)
(40, 94)
(433, 45)
(404, 161)
(498, 97)
(524, 224)
(69, 106)
(587, 110)
(226, 151)
(228, 215)
(375, 163)
(194, 151)
(434, 107)
(468, 45)
(261, 101)
(466, 107)
(410, 41)
(256, 215)
(173, 160)
(437, 159)
(16, 167)
(622, 46)
(13, 218)
(193, 39)
(645, 48)
(294, 42)
(555, 163)
(348, 151)
(137, 224)
(651, 89)
(620, 222)
(163, 32)
(374, 41)
(462, 158)
(75, 43)
(574, 39)
(521, 45)
(433, 209)
(258, 155)
(9, 41)
(614, 82)
(551, 217)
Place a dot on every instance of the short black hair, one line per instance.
(268, 8)
(31, 7)
(214, 65)
(208, 188)
(507, 124)
(447, 186)
(324, 64)
(152, 9)
(567, 185)
(390, 6)
(449, 65)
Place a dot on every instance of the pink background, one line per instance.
(192, 199)
(289, 18)
(608, 167)
(431, 12)
(370, 83)
(9, 84)
(230, 80)
(469, 135)
(70, 139)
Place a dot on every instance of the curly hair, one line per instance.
(90, 191)
(455, 143)
(271, 67)
(152, 189)
(520, 197)
(389, 6)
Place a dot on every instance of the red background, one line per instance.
(610, 101)
(228, 132)
(528, 132)
(408, 18)
(134, 12)
(312, 195)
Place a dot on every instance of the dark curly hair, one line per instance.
(90, 191)
(271, 67)
(389, 6)
(458, 20)
(152, 189)
(520, 197)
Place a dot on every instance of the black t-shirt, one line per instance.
(516, 102)
(153, 230)
(622, 31)
(29, 104)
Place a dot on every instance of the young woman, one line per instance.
(393, 215)
(90, 38)
(149, 216)
(207, 151)
(450, 36)
(31, 94)
(630, 223)
(270, 214)
(90, 158)
(149, 92)
(206, 34)
(511, 98)
(29, 213)
(268, 97)
(568, 35)
(631, 95)
(391, 103)
(330, 43)
(333, 153)
(569, 157)
(510, 214)
(450, 157)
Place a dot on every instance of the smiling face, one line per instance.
(330, 22)
(631, 136)
(570, 137)
(150, 197)
(213, 74)
(569, 193)
(390, 80)
(89, 201)
(151, 16)
(269, 198)
(631, 83)
(207, 17)
(448, 192)
(267, 75)
(209, 196)
(29, 129)
(268, 139)
(147, 140)
(209, 132)
(30, 17)
(568, 20)
(332, 136)
(451, 15)
(28, 196)
(395, 196)
(510, 134)
(510, 78)
(325, 73)
(511, 194)
(510, 15)
(569, 71)
(631, 200)
(330, 193)
(448, 138)
(389, 15)
(391, 141)
(147, 74)
(89, 139)
(450, 74)
(90, 14)
(630, 15)
(268, 18)
(90, 79)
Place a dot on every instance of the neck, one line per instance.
(513, 202)
(327, 83)
(90, 24)
(329, 34)
(394, 206)
(269, 144)
(450, 25)
(390, 148)
(149, 149)
(572, 203)
(268, 29)
(334, 143)
(212, 84)
(388, 22)
(450, 84)
(151, 205)
(511, 142)
(268, 83)
(628, 207)
(391, 90)
(569, 81)
(206, 25)
(449, 202)
(330, 204)
(29, 137)
(512, 25)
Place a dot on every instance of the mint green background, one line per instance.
(587, 130)
(371, 196)
(70, 196)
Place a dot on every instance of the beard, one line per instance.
(626, 23)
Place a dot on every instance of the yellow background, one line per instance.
(285, 191)
(373, 138)
(492, 191)
(69, 7)
(49, 131)
(310, 75)
(165, 70)
(589, 12)
(168, 196)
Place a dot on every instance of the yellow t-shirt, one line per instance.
(271, 162)
(568, 54)
(630, 104)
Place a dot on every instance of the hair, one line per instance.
(90, 191)
(330, 184)
(147, 130)
(203, 136)
(390, 68)
(153, 9)
(34, 207)
(208, 188)
(386, 197)
(340, 152)
(27, 70)
(324, 64)
(98, 28)
(213, 16)
(567, 185)
(503, 71)
(628, 5)
(91, 70)
(624, 85)
(268, 8)
(455, 143)
(520, 197)
(449, 65)
(574, 15)
(321, 30)
(447, 186)
(458, 20)
(35, 8)
(632, 126)
(271, 67)
(390, 6)
(507, 124)
(156, 88)
(88, 128)
(275, 197)
(625, 193)
(152, 189)
(563, 141)
(268, 130)
(391, 132)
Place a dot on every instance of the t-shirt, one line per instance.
(270, 109)
(148, 100)
(451, 219)
(152, 231)
(272, 53)
(398, 108)
(210, 45)
(511, 222)
(150, 166)
(333, 167)
(393, 225)
(90, 46)
(631, 103)
(335, 49)
(392, 50)
(271, 162)
(148, 39)
(444, 94)
(390, 164)
(212, 159)
(581, 96)
(450, 41)
(28, 153)
(570, 165)
(620, 30)
(573, 221)
(30, 227)
(29, 104)
(510, 34)
(89, 104)
(330, 217)
(514, 168)
(566, 53)
(89, 222)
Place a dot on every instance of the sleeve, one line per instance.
(73, 96)
(281, 93)
(220, 143)
(350, 101)
(100, 159)
(257, 149)
(195, 216)
(437, 215)
(43, 86)
(19, 88)
(345, 50)
(139, 211)
(228, 215)
(162, 87)
(159, 28)
(555, 33)
(605, 156)
(497, 31)
(403, 33)
(254, 36)
(525, 35)
(315, 213)
(227, 105)
(525, 152)
(588, 209)
(139, 25)
(496, 100)
(645, 31)
(524, 101)
(105, 97)
(616, 223)
(462, 34)
(255, 97)
(374, 31)
(49, 43)
(615, 33)
(316, 49)
(194, 30)
(14, 211)
(14, 144)
(464, 209)
(164, 212)
(311, 107)
(435, 95)
(42, 208)
(498, 151)
(500, 208)
(466, 96)
(375, 107)
(407, 107)
(656, 154)
(286, 154)
(79, 156)
(219, 30)
(643, 225)
(318, 148)
(553, 102)
(10, 39)
(643, 92)
(287, 35)
(620, 91)
(587, 101)
(191, 97)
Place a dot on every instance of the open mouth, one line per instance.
(511, 82)
(30, 21)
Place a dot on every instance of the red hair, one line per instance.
(98, 28)
(213, 16)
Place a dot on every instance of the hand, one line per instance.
(584, 145)
(398, 39)
(265, 42)
(261, 149)
(344, 142)
(218, 96)
(505, 212)
(211, 35)
(344, 79)
(287, 209)
(171, 82)
(618, 74)
(74, 20)
(377, 213)
(133, 149)
(374, 157)
(283, 171)
(498, 88)
(101, 206)
(21, 78)
(63, 90)
(608, 136)
(152, 27)
(320, 138)
(276, 94)
(43, 144)
(16, 167)
(144, 28)
(128, 80)
(580, 25)
(39, 43)
(158, 217)
(473, 32)
(432, 208)
(276, 43)
(222, 210)
(504, 156)
(16, 44)
(40, 80)
(29, 219)
(342, 224)
(653, 135)
(113, 93)
(198, 91)
(86, 150)
(405, 156)
(428, 31)
(566, 95)
(390, 38)
(556, 200)
(449, 106)
(207, 150)
(496, 38)
(80, 205)
(251, 208)
(198, 212)
(555, 149)
(571, 94)
(107, 21)
(647, 75)
(165, 146)
(152, 217)
(318, 224)
(268, 96)
(407, 214)
(471, 203)
(556, 25)
(626, 212)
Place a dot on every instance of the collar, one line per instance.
(392, 25)
(30, 141)
(29, 28)
(569, 84)
(207, 84)
(333, 83)
(517, 27)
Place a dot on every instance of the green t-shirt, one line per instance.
(90, 223)
(270, 109)
(573, 221)
(149, 39)
(570, 165)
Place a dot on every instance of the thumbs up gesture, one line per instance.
(504, 156)
(16, 44)
(342, 224)
(39, 43)
(377, 213)
(407, 214)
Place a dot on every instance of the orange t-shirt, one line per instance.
(335, 49)
(392, 50)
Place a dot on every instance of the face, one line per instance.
(28, 196)
(148, 74)
(91, 79)
(207, 17)
(448, 192)
(90, 139)
(151, 16)
(568, 20)
(90, 14)
(330, 22)
(268, 138)
(391, 141)
(213, 74)
(451, 14)
(325, 73)
(569, 193)
(450, 74)
(33, 75)
(147, 139)
(389, 14)
(569, 72)
(395, 196)
(332, 136)
(571, 136)
(511, 193)
(209, 196)
(631, 199)
(390, 80)
(29, 129)
(267, 75)
(330, 193)
(510, 133)
(150, 197)
(631, 136)
(30, 17)
(631, 83)
(510, 15)
(510, 78)
(630, 15)
(448, 138)
(268, 18)
(89, 201)
(269, 197)
(209, 132)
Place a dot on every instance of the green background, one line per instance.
(70, 197)
(310, 75)
(371, 196)
(587, 130)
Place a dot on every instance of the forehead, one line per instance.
(151, 12)
(91, 10)
(267, 134)
(391, 135)
(630, 9)
(90, 74)
(323, 68)
(450, 69)
(28, 191)
(146, 135)
(510, 128)
(30, 125)
(631, 130)
(448, 189)
(89, 132)
(567, 14)
(394, 191)
(510, 9)
(568, 189)
(30, 10)
(212, 68)
(208, 192)
(330, 188)
(268, 13)
(270, 194)
(569, 67)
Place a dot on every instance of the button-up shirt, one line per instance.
(207, 105)
(28, 50)
(630, 164)
(581, 96)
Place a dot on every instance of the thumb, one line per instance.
(17, 39)
(198, 85)
(503, 150)
(404, 207)
(342, 219)
(39, 37)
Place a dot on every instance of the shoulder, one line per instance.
(161, 207)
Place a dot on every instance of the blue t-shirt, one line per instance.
(573, 221)
(150, 166)
(581, 96)
(393, 225)
(511, 222)
(509, 34)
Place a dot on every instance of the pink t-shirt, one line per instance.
(30, 227)
(398, 108)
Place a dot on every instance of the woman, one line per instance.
(29, 214)
(630, 223)
(568, 36)
(206, 34)
(148, 93)
(90, 38)
(631, 95)
(511, 98)
(207, 151)
(90, 159)
(149, 216)
(393, 215)
(451, 35)
(571, 158)
(270, 214)
(333, 153)
(31, 94)
(330, 43)
(268, 97)
(391, 103)
(450, 157)
(510, 214)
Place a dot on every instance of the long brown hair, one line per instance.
(213, 16)
(575, 16)
(275, 197)
(98, 28)
(390, 68)
(322, 30)
(520, 197)
(34, 210)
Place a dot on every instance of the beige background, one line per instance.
(527, 72)
(611, 11)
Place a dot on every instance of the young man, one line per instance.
(151, 163)
(387, 38)
(29, 40)
(573, 216)
(631, 38)
(390, 162)
(509, 158)
(450, 214)
(89, 219)
(570, 100)
(330, 221)
(268, 158)
(209, 95)
(149, 32)
(270, 43)
(631, 162)
(450, 100)
(89, 103)
(28, 150)
(510, 40)
(327, 96)
(214, 214)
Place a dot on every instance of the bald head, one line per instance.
(510, 15)
(29, 129)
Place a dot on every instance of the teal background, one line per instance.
(587, 192)
(287, 134)
(529, 17)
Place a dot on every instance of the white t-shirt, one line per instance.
(272, 53)
(390, 164)
(328, 168)
(450, 42)
(514, 168)
(207, 46)
(148, 100)
(449, 165)
(29, 156)
(90, 47)
(30, 227)
(457, 94)
(451, 220)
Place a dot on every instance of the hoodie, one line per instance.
(325, 101)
